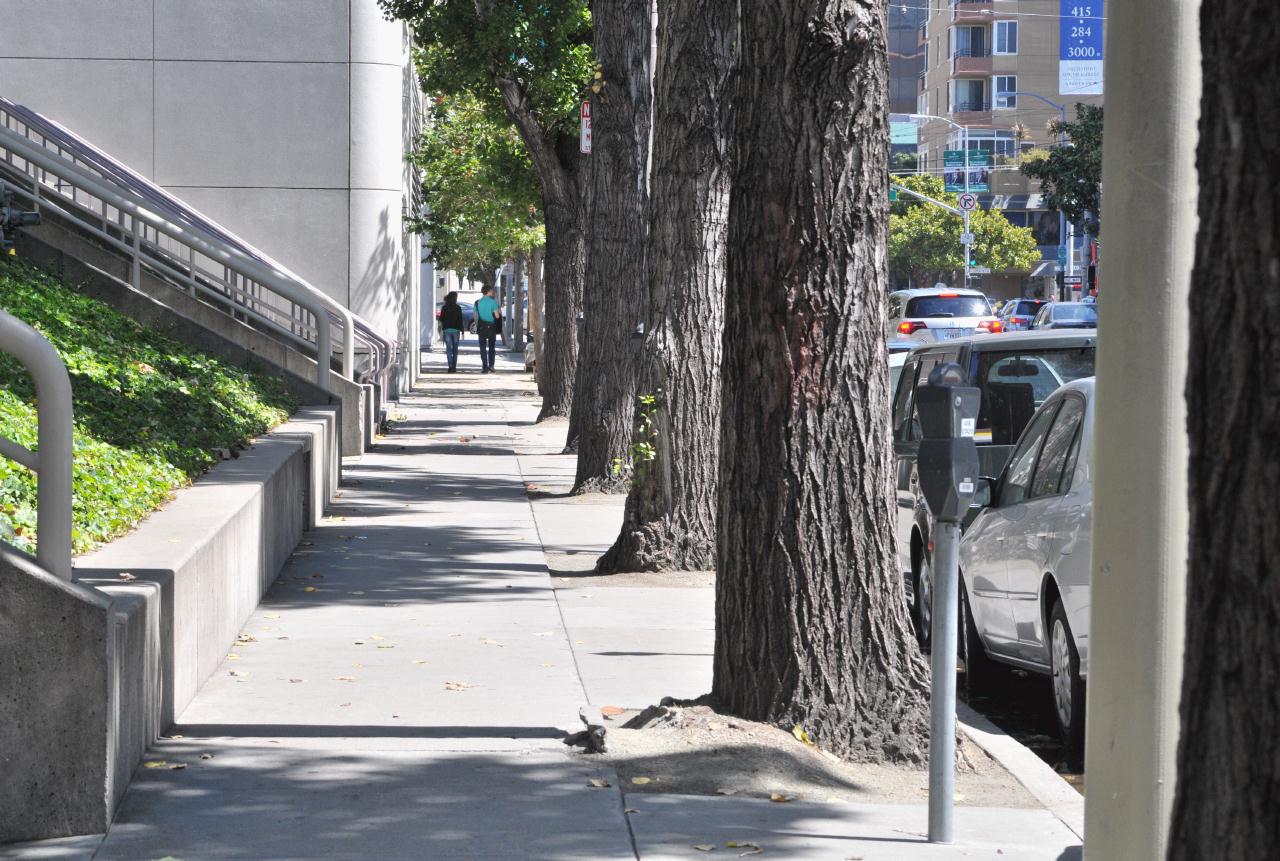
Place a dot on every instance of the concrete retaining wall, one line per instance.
(92, 672)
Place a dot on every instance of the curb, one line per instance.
(1058, 796)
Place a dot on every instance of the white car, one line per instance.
(940, 314)
(1024, 560)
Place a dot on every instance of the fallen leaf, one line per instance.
(155, 763)
(704, 847)
(752, 848)
(310, 589)
(641, 781)
(487, 642)
(802, 735)
(178, 766)
(598, 783)
(295, 681)
(344, 678)
(272, 616)
(239, 673)
(417, 661)
(457, 686)
(726, 792)
(386, 646)
(780, 798)
(629, 810)
(233, 657)
(357, 666)
(579, 642)
(548, 665)
(206, 756)
(359, 642)
(377, 637)
(246, 638)
(611, 711)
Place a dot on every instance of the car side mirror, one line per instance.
(985, 494)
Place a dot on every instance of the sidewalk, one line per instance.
(402, 691)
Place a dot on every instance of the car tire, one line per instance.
(977, 664)
(922, 606)
(1068, 688)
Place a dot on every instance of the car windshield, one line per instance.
(1072, 311)
(1014, 384)
(948, 306)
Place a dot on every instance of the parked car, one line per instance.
(1024, 559)
(1014, 373)
(468, 315)
(1067, 315)
(1017, 314)
(937, 314)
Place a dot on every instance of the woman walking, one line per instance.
(451, 326)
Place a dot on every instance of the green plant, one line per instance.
(642, 449)
(150, 412)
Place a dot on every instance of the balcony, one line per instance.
(972, 113)
(976, 61)
(971, 11)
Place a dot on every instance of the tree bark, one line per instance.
(811, 628)
(1228, 769)
(556, 159)
(615, 295)
(670, 516)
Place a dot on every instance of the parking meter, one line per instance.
(12, 218)
(948, 460)
(947, 466)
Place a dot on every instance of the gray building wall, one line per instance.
(286, 121)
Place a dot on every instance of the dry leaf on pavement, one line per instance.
(611, 711)
(344, 678)
(780, 798)
(598, 783)
(641, 781)
(457, 686)
(704, 847)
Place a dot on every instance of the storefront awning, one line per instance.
(1045, 269)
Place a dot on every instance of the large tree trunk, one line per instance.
(811, 628)
(670, 517)
(1228, 768)
(616, 292)
(565, 261)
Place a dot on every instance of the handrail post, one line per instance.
(52, 462)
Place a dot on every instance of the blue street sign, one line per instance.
(1062, 254)
(1080, 47)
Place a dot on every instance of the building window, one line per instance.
(922, 103)
(1005, 87)
(970, 42)
(1006, 37)
(971, 95)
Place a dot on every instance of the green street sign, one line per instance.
(893, 194)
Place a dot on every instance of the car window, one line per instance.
(1082, 313)
(1057, 443)
(1069, 470)
(1017, 477)
(902, 399)
(1014, 384)
(947, 305)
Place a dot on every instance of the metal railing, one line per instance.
(157, 232)
(51, 462)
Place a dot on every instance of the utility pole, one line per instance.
(964, 140)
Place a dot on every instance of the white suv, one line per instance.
(940, 314)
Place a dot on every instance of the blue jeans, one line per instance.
(451, 338)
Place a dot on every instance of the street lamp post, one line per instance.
(966, 237)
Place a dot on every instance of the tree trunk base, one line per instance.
(597, 484)
(654, 547)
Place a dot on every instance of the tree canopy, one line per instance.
(1071, 176)
(480, 191)
(925, 240)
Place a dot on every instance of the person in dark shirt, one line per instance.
(452, 326)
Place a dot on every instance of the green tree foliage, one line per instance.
(466, 46)
(479, 188)
(1071, 176)
(149, 411)
(925, 239)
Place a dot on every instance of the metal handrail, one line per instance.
(52, 461)
(81, 171)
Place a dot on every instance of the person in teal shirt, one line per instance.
(488, 319)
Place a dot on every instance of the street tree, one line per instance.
(924, 240)
(1071, 176)
(1228, 772)
(480, 194)
(811, 628)
(616, 289)
(670, 515)
(530, 63)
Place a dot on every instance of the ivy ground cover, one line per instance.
(150, 412)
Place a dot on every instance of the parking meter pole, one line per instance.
(942, 704)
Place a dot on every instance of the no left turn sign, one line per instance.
(968, 202)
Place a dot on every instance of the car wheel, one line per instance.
(976, 662)
(1068, 687)
(923, 609)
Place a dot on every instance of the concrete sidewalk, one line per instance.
(402, 691)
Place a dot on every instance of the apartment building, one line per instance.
(1001, 69)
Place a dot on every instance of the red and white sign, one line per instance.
(968, 202)
(584, 131)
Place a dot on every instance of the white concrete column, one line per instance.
(1140, 491)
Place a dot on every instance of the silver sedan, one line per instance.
(1025, 558)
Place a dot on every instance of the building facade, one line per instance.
(285, 121)
(1001, 69)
